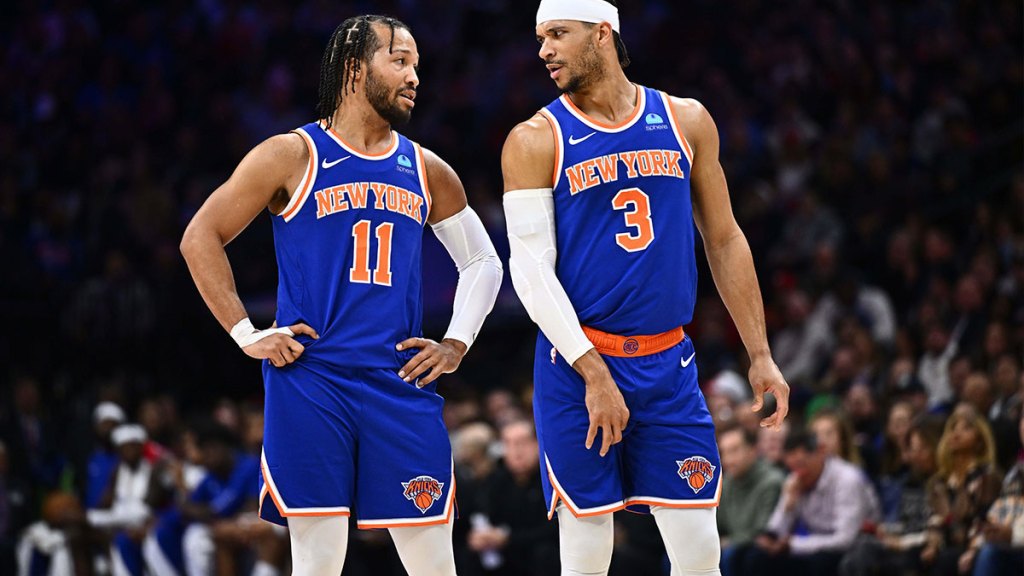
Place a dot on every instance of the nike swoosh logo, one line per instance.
(575, 141)
(327, 164)
(686, 361)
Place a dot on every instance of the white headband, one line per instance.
(592, 11)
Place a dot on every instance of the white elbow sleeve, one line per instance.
(530, 215)
(467, 242)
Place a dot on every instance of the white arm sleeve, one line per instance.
(467, 242)
(530, 215)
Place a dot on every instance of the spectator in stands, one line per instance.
(750, 490)
(834, 435)
(897, 427)
(1000, 549)
(57, 545)
(474, 464)
(187, 537)
(895, 547)
(823, 507)
(103, 460)
(978, 392)
(801, 347)
(123, 512)
(15, 511)
(941, 347)
(771, 445)
(514, 535)
(851, 297)
(960, 494)
(33, 438)
(1007, 409)
(861, 409)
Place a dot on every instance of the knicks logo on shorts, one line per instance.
(697, 472)
(630, 346)
(423, 491)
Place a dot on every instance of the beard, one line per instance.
(385, 101)
(588, 70)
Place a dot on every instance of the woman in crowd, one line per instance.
(896, 546)
(960, 494)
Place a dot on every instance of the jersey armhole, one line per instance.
(301, 192)
(684, 144)
(421, 162)
(556, 133)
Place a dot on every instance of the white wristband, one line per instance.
(245, 334)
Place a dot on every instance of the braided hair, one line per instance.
(620, 46)
(352, 44)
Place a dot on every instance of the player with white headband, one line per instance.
(625, 171)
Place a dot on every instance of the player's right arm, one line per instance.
(527, 164)
(263, 179)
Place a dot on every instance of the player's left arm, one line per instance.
(462, 233)
(732, 265)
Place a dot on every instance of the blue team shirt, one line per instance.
(348, 250)
(225, 497)
(623, 216)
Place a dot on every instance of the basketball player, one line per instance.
(625, 171)
(352, 417)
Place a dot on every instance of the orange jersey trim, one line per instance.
(390, 149)
(631, 118)
(308, 178)
(679, 503)
(372, 525)
(570, 507)
(280, 507)
(630, 346)
(445, 520)
(677, 128)
(558, 147)
(422, 162)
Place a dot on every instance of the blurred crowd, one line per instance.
(874, 154)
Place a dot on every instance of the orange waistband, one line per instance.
(627, 346)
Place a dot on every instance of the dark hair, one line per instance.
(209, 432)
(353, 42)
(929, 428)
(800, 440)
(749, 438)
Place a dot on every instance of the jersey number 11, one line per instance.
(360, 272)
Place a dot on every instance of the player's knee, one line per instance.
(319, 545)
(585, 544)
(691, 537)
(425, 550)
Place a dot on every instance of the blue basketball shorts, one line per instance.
(362, 438)
(668, 455)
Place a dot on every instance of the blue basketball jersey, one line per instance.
(348, 250)
(623, 216)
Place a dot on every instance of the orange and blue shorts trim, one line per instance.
(338, 441)
(668, 456)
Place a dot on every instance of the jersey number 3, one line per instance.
(638, 216)
(360, 272)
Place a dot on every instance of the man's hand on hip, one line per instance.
(439, 357)
(279, 347)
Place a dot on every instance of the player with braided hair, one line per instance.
(353, 419)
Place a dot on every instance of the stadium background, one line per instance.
(873, 151)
